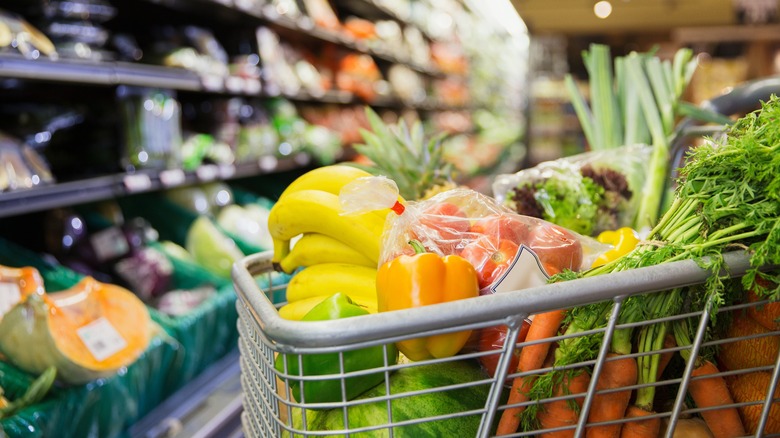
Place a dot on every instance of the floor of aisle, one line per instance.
(208, 407)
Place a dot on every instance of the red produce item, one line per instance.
(555, 246)
(490, 256)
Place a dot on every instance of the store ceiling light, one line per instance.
(602, 9)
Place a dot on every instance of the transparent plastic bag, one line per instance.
(509, 251)
(586, 193)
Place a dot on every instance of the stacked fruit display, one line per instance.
(336, 252)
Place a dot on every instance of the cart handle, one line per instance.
(510, 307)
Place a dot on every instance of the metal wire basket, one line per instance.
(272, 411)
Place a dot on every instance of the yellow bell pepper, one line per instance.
(623, 240)
(422, 279)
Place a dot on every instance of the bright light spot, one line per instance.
(143, 156)
(42, 137)
(75, 223)
(67, 241)
(602, 9)
(285, 148)
(148, 104)
(223, 197)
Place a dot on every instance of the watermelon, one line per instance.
(420, 406)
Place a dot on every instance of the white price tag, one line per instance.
(268, 163)
(109, 244)
(209, 172)
(172, 177)
(252, 86)
(227, 171)
(234, 84)
(138, 182)
(9, 296)
(101, 339)
(212, 83)
(525, 271)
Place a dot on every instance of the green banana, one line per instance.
(356, 281)
(316, 211)
(316, 248)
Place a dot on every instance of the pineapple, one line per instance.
(403, 154)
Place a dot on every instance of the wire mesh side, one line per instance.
(272, 409)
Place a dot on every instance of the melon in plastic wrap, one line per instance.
(249, 222)
(16, 284)
(87, 332)
(211, 248)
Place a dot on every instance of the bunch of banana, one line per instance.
(338, 253)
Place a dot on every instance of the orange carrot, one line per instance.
(648, 428)
(619, 373)
(710, 392)
(663, 361)
(544, 325)
(560, 413)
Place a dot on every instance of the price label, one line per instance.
(101, 339)
(109, 244)
(268, 163)
(245, 4)
(9, 296)
(234, 84)
(252, 86)
(227, 171)
(139, 182)
(208, 172)
(270, 12)
(212, 83)
(172, 177)
(525, 271)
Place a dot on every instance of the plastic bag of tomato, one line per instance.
(508, 251)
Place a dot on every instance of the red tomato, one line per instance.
(492, 338)
(444, 224)
(556, 247)
(503, 226)
(490, 256)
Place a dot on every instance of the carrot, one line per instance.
(618, 373)
(560, 413)
(724, 423)
(663, 362)
(648, 428)
(544, 325)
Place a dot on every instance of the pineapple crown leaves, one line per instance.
(402, 154)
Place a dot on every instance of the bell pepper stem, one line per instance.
(417, 246)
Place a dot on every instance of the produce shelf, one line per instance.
(98, 73)
(227, 11)
(124, 184)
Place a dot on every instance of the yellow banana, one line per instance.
(329, 278)
(316, 211)
(330, 179)
(327, 178)
(316, 248)
(298, 309)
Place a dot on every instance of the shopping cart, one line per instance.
(270, 410)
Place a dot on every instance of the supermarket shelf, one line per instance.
(98, 73)
(208, 406)
(125, 184)
(226, 9)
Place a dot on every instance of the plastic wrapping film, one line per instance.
(587, 193)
